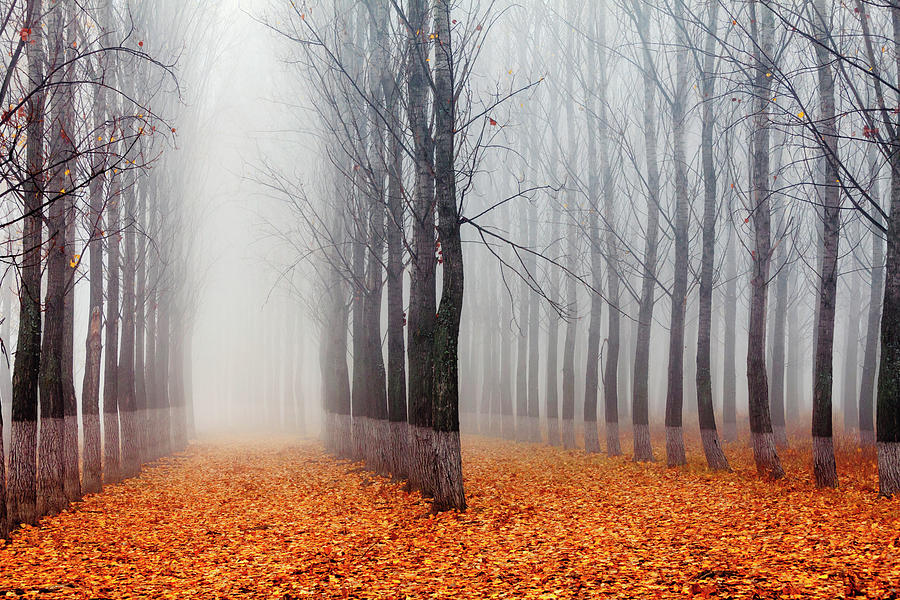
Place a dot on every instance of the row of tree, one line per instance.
(611, 119)
(88, 193)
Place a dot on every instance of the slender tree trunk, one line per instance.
(675, 380)
(140, 332)
(26, 368)
(130, 465)
(640, 414)
(448, 490)
(592, 370)
(823, 442)
(873, 326)
(423, 291)
(522, 433)
(763, 440)
(851, 366)
(611, 368)
(729, 353)
(396, 385)
(111, 472)
(888, 399)
(51, 463)
(778, 347)
(715, 457)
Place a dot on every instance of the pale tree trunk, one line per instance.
(851, 367)
(534, 332)
(778, 346)
(592, 369)
(873, 327)
(729, 353)
(611, 368)
(522, 433)
(448, 490)
(22, 492)
(715, 457)
(568, 367)
(140, 330)
(507, 419)
(640, 414)
(130, 465)
(675, 380)
(824, 465)
(762, 438)
(553, 320)
(396, 369)
(110, 379)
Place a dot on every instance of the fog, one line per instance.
(381, 223)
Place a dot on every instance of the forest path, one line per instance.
(280, 519)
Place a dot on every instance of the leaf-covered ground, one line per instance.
(279, 519)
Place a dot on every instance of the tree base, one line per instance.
(888, 468)
(675, 456)
(591, 437)
(643, 452)
(764, 454)
(93, 473)
(824, 466)
(568, 434)
(22, 487)
(613, 446)
(72, 482)
(715, 456)
(51, 495)
(448, 480)
(553, 437)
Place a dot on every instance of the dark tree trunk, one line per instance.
(26, 368)
(448, 488)
(709, 435)
(51, 466)
(763, 440)
(111, 378)
(675, 379)
(888, 402)
(423, 292)
(823, 443)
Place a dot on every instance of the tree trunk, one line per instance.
(51, 466)
(448, 489)
(778, 347)
(22, 492)
(763, 440)
(873, 323)
(640, 413)
(131, 464)
(675, 380)
(823, 443)
(423, 292)
(729, 353)
(888, 402)
(715, 457)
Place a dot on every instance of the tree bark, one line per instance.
(448, 490)
(715, 457)
(26, 368)
(823, 444)
(763, 440)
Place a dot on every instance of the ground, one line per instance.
(278, 518)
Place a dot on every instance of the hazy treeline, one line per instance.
(94, 243)
(649, 194)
